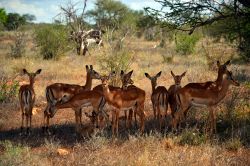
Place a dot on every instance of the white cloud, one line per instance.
(20, 7)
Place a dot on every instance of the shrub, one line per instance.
(185, 44)
(8, 89)
(52, 39)
(17, 49)
(192, 137)
(233, 144)
(12, 154)
(116, 61)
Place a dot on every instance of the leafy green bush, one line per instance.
(192, 137)
(185, 44)
(8, 90)
(116, 61)
(52, 39)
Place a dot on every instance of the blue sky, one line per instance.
(46, 10)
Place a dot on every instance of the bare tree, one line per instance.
(78, 33)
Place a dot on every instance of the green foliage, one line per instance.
(108, 13)
(18, 155)
(8, 90)
(52, 39)
(192, 137)
(233, 144)
(186, 43)
(116, 61)
(29, 17)
(3, 17)
(14, 20)
(229, 19)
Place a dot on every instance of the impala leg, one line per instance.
(154, 110)
(215, 126)
(22, 121)
(158, 115)
(30, 120)
(140, 112)
(113, 123)
(77, 119)
(135, 118)
(117, 122)
(126, 118)
(130, 117)
(27, 123)
(213, 123)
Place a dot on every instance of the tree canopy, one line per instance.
(189, 15)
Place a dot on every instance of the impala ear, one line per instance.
(130, 73)
(91, 67)
(183, 74)
(227, 62)
(38, 71)
(122, 72)
(172, 74)
(87, 67)
(25, 71)
(218, 63)
(147, 75)
(158, 74)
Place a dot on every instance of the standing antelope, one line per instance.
(126, 80)
(58, 91)
(172, 91)
(159, 98)
(127, 83)
(123, 99)
(27, 99)
(82, 99)
(206, 94)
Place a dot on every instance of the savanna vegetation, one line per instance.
(181, 38)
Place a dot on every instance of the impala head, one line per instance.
(32, 75)
(105, 79)
(177, 78)
(222, 69)
(153, 79)
(126, 78)
(229, 77)
(92, 73)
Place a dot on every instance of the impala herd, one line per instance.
(129, 98)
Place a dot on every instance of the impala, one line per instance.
(60, 91)
(204, 95)
(82, 99)
(27, 99)
(159, 98)
(123, 99)
(126, 80)
(172, 91)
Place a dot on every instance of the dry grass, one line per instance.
(128, 149)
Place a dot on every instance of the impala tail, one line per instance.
(163, 100)
(26, 99)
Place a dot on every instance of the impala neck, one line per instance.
(222, 92)
(219, 78)
(32, 80)
(153, 86)
(106, 93)
(88, 83)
